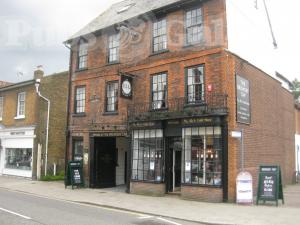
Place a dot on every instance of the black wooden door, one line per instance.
(106, 157)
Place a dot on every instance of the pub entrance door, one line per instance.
(173, 164)
(105, 162)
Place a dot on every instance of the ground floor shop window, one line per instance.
(202, 156)
(147, 155)
(18, 158)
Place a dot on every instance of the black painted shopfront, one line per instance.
(178, 152)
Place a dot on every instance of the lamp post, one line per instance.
(37, 85)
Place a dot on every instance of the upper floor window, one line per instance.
(112, 96)
(195, 84)
(82, 54)
(159, 91)
(21, 105)
(194, 26)
(1, 107)
(160, 35)
(113, 48)
(80, 100)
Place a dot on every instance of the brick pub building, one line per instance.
(155, 94)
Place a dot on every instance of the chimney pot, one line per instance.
(39, 72)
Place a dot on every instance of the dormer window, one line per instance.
(82, 54)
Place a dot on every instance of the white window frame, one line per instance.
(21, 116)
(1, 107)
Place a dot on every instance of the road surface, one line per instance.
(23, 209)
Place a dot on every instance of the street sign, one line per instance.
(236, 134)
(244, 188)
(269, 184)
(74, 176)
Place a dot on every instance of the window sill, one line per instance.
(110, 113)
(19, 117)
(160, 110)
(196, 44)
(191, 105)
(113, 63)
(79, 115)
(159, 52)
(81, 70)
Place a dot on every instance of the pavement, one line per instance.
(169, 206)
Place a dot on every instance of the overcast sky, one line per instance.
(32, 33)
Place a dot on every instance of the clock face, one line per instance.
(126, 87)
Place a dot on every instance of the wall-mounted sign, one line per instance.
(146, 125)
(126, 86)
(236, 134)
(199, 121)
(243, 110)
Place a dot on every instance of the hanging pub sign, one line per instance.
(126, 86)
(243, 110)
(269, 184)
(74, 176)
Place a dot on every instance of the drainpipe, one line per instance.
(68, 106)
(37, 85)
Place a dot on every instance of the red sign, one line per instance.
(209, 88)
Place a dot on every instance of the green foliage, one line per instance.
(296, 88)
(60, 176)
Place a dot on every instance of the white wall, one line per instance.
(297, 151)
(249, 34)
(16, 138)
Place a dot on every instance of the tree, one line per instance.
(296, 88)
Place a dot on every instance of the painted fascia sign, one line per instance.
(244, 188)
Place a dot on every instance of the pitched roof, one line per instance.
(122, 11)
(4, 83)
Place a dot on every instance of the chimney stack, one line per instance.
(39, 72)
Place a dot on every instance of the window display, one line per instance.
(18, 158)
(202, 156)
(148, 155)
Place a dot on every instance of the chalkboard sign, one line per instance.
(269, 184)
(74, 174)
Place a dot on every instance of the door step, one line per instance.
(175, 193)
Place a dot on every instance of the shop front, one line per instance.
(16, 152)
(185, 156)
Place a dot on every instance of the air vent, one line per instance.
(125, 8)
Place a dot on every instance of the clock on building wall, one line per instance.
(126, 86)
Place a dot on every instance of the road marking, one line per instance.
(168, 221)
(16, 214)
(145, 217)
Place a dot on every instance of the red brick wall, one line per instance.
(269, 139)
(297, 118)
(147, 189)
(205, 194)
